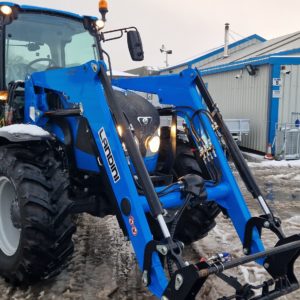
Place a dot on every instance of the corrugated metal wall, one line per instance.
(241, 96)
(289, 103)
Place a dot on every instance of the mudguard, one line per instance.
(23, 133)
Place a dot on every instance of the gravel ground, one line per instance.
(103, 265)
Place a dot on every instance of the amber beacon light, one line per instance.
(103, 9)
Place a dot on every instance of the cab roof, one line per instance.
(46, 10)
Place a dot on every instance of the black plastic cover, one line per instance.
(135, 45)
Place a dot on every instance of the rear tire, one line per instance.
(38, 214)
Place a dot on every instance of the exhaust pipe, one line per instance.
(226, 40)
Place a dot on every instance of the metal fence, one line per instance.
(287, 142)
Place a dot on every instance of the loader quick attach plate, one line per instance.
(279, 262)
(281, 265)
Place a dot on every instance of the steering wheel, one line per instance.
(51, 63)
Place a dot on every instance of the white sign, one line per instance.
(276, 94)
(276, 81)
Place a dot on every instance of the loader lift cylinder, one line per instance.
(134, 153)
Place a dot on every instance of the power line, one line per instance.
(237, 34)
(232, 37)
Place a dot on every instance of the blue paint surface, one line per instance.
(273, 105)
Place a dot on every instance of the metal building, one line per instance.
(258, 80)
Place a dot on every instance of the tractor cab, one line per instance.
(38, 39)
(41, 39)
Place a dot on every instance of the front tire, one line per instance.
(35, 226)
(196, 221)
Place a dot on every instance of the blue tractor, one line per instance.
(73, 139)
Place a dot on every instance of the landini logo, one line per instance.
(145, 120)
(109, 156)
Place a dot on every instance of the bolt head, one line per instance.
(267, 224)
(145, 279)
(182, 245)
(266, 265)
(164, 250)
(94, 67)
(246, 251)
(178, 282)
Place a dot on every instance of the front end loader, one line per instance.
(74, 139)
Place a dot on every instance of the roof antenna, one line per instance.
(226, 43)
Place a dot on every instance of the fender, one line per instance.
(23, 133)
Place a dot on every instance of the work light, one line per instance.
(6, 10)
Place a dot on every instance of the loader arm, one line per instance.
(87, 93)
(184, 94)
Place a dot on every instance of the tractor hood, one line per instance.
(141, 114)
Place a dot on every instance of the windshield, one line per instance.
(38, 42)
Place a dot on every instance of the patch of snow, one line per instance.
(295, 220)
(25, 129)
(121, 74)
(116, 88)
(275, 163)
(290, 176)
(278, 176)
(297, 178)
(254, 155)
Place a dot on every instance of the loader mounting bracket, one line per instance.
(263, 221)
(185, 283)
(164, 248)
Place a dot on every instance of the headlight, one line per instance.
(120, 130)
(153, 144)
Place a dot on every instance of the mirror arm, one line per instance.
(121, 30)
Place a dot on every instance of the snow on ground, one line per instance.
(103, 265)
(276, 164)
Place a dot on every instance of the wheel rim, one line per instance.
(9, 234)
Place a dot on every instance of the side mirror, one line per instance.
(135, 45)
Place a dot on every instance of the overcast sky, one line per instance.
(188, 27)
